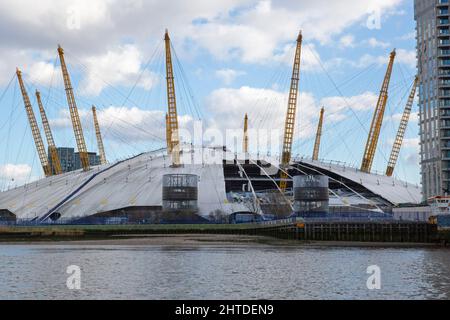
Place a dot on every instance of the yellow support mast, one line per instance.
(55, 163)
(377, 121)
(168, 137)
(245, 142)
(401, 130)
(291, 114)
(174, 146)
(34, 127)
(75, 117)
(101, 148)
(316, 151)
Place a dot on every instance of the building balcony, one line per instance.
(444, 75)
(443, 43)
(443, 32)
(442, 11)
(443, 22)
(444, 63)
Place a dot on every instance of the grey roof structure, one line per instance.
(138, 182)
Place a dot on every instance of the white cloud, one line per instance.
(120, 67)
(44, 73)
(408, 36)
(413, 143)
(123, 124)
(414, 118)
(35, 67)
(374, 43)
(310, 57)
(228, 75)
(267, 108)
(337, 106)
(255, 34)
(347, 41)
(15, 172)
(251, 31)
(407, 57)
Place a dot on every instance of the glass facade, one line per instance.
(433, 63)
(70, 160)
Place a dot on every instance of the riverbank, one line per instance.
(217, 240)
(197, 235)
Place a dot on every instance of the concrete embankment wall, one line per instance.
(317, 231)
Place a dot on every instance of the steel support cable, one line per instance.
(154, 96)
(50, 89)
(144, 97)
(7, 88)
(326, 129)
(187, 87)
(360, 86)
(116, 118)
(7, 152)
(283, 79)
(139, 128)
(127, 97)
(120, 137)
(346, 134)
(25, 194)
(254, 111)
(351, 129)
(10, 125)
(180, 88)
(337, 89)
(261, 116)
(276, 184)
(331, 191)
(342, 183)
(383, 128)
(257, 203)
(342, 96)
(348, 105)
(309, 126)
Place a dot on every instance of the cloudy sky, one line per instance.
(231, 57)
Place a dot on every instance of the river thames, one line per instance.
(198, 269)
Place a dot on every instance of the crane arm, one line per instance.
(315, 156)
(174, 146)
(377, 121)
(55, 161)
(34, 127)
(401, 130)
(75, 117)
(101, 148)
(291, 114)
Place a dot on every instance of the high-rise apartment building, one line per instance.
(433, 63)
